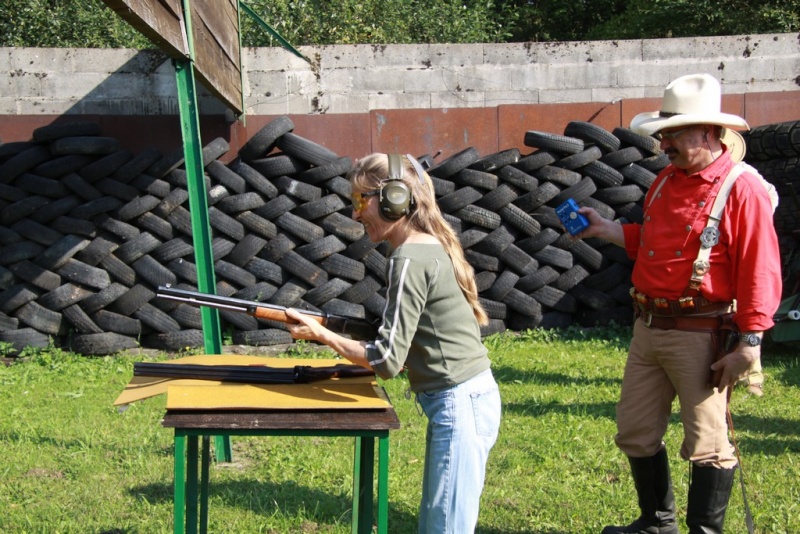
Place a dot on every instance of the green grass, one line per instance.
(71, 462)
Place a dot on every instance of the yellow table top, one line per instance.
(187, 394)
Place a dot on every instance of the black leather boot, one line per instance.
(656, 499)
(709, 492)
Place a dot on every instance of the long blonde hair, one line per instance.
(425, 217)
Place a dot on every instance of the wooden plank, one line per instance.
(215, 27)
(215, 32)
(158, 20)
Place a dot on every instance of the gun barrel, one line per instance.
(357, 328)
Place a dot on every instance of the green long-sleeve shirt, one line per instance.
(428, 325)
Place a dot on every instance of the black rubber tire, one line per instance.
(518, 260)
(150, 270)
(156, 319)
(137, 247)
(453, 164)
(234, 274)
(297, 189)
(60, 166)
(317, 209)
(60, 252)
(342, 226)
(93, 145)
(40, 318)
(630, 138)
(504, 283)
(458, 199)
(80, 321)
(226, 176)
(603, 175)
(482, 262)
(576, 161)
(620, 194)
(570, 278)
(24, 337)
(176, 341)
(338, 265)
(118, 270)
(63, 296)
(536, 160)
(322, 248)
(254, 179)
(478, 216)
(495, 161)
(518, 178)
(333, 288)
(263, 141)
(305, 149)
(265, 337)
(543, 194)
(578, 192)
(101, 299)
(517, 218)
(503, 195)
(555, 299)
(58, 130)
(522, 303)
(556, 257)
(593, 134)
(475, 178)
(623, 156)
(278, 165)
(23, 162)
(494, 309)
(115, 322)
(484, 280)
(323, 173)
(300, 228)
(106, 165)
(303, 269)
(558, 176)
(561, 144)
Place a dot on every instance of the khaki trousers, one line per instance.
(661, 365)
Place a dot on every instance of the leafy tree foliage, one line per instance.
(91, 24)
(320, 22)
(65, 24)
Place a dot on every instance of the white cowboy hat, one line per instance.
(691, 99)
(737, 147)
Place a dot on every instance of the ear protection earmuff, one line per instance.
(396, 200)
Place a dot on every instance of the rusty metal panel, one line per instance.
(428, 131)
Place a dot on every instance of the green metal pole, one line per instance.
(198, 204)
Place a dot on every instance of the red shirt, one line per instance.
(745, 264)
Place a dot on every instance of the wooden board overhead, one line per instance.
(215, 35)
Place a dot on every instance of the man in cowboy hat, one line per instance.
(691, 272)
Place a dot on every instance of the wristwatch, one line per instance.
(750, 339)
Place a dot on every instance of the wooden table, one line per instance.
(364, 425)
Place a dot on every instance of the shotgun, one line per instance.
(250, 374)
(356, 328)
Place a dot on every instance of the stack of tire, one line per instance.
(774, 150)
(88, 230)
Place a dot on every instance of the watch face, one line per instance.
(750, 339)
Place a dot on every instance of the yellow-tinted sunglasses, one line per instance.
(359, 202)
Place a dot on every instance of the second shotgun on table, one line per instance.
(352, 326)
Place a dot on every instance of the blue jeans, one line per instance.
(463, 422)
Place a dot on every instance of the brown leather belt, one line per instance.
(681, 307)
(692, 324)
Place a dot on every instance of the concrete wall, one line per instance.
(414, 98)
